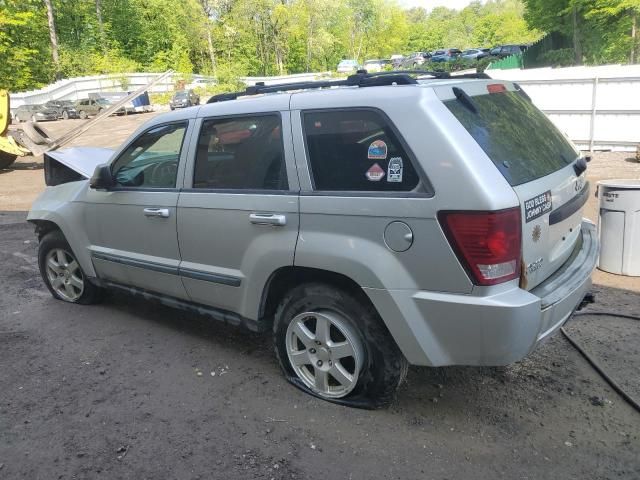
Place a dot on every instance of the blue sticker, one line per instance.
(377, 150)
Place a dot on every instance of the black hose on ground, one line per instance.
(629, 399)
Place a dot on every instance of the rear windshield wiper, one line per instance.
(464, 98)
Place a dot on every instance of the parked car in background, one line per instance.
(503, 51)
(64, 108)
(35, 113)
(447, 55)
(139, 104)
(183, 99)
(414, 60)
(201, 83)
(348, 66)
(474, 53)
(375, 65)
(396, 60)
(90, 107)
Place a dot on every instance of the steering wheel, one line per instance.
(163, 174)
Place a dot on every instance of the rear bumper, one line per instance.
(438, 329)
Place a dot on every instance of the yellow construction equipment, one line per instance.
(9, 148)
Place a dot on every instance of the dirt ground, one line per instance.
(128, 389)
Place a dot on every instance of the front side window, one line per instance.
(151, 161)
(241, 153)
(356, 150)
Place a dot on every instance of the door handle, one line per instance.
(157, 212)
(268, 219)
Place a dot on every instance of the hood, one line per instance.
(81, 160)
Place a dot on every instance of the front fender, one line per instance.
(61, 206)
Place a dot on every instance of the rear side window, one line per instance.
(356, 150)
(241, 153)
(518, 138)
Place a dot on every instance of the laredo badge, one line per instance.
(395, 170)
(375, 173)
(377, 150)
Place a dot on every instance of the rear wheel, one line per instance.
(334, 345)
(65, 115)
(62, 273)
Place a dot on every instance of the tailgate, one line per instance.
(538, 162)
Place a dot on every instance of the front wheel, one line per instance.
(62, 273)
(82, 114)
(334, 345)
(65, 115)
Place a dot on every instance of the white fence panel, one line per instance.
(596, 107)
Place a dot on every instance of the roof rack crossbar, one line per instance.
(360, 79)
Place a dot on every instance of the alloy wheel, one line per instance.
(325, 352)
(64, 274)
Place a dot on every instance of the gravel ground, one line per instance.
(128, 389)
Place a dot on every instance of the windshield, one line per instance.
(519, 139)
(181, 95)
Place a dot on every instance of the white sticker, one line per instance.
(395, 170)
(375, 173)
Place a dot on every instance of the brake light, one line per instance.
(496, 88)
(488, 244)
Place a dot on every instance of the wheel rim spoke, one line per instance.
(323, 330)
(341, 350)
(72, 267)
(53, 265)
(304, 334)
(68, 288)
(299, 358)
(57, 282)
(321, 380)
(341, 375)
(76, 282)
(61, 257)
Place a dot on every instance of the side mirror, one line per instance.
(102, 178)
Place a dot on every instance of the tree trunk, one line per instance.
(634, 36)
(103, 44)
(53, 36)
(212, 55)
(577, 46)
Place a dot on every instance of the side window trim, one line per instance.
(428, 188)
(190, 171)
(188, 123)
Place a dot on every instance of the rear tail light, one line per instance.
(487, 244)
(496, 88)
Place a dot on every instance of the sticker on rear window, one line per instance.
(377, 150)
(537, 206)
(395, 170)
(375, 173)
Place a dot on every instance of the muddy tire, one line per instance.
(62, 273)
(332, 344)
(36, 133)
(6, 159)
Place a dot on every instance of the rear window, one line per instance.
(519, 139)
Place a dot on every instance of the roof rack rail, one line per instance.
(360, 79)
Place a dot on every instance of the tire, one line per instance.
(65, 282)
(34, 119)
(36, 133)
(65, 115)
(374, 365)
(82, 114)
(6, 159)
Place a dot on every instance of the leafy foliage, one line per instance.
(232, 38)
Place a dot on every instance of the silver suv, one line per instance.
(370, 223)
